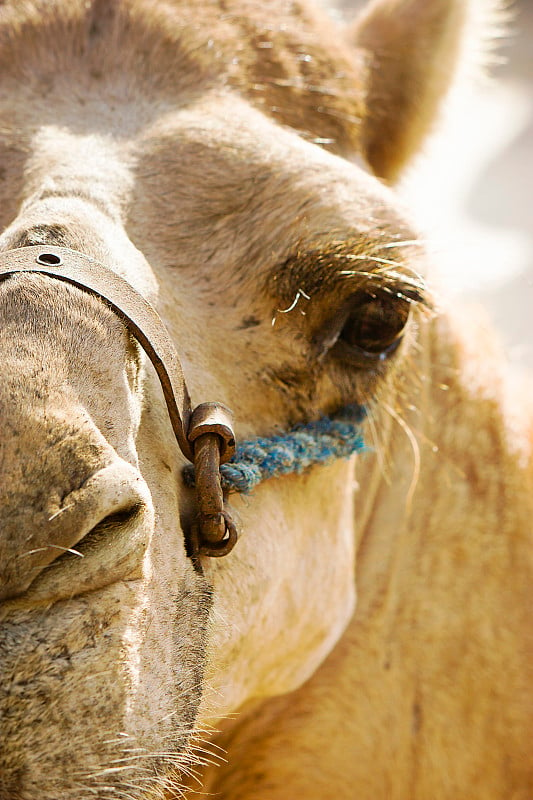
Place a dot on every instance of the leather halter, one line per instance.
(205, 434)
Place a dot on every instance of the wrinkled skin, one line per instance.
(226, 160)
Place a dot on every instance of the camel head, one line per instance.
(233, 162)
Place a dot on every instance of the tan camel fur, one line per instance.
(368, 638)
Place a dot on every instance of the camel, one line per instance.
(234, 163)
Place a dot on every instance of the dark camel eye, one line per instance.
(374, 327)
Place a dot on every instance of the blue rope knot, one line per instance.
(255, 460)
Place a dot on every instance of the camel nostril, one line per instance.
(112, 550)
(120, 519)
(115, 523)
(98, 536)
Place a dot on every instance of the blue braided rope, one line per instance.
(338, 436)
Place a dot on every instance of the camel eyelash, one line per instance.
(345, 267)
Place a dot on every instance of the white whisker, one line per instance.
(61, 511)
(416, 454)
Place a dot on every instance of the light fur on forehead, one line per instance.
(415, 51)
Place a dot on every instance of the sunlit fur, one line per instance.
(234, 161)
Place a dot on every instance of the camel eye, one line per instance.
(374, 327)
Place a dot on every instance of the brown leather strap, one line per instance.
(138, 315)
(205, 437)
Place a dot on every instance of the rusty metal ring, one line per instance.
(225, 545)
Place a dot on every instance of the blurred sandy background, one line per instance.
(472, 190)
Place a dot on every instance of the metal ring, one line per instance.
(222, 548)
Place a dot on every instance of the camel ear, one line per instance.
(412, 49)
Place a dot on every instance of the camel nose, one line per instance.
(94, 535)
